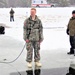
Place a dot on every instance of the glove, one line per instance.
(27, 41)
(40, 41)
(67, 31)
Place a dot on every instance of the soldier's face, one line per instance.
(33, 13)
(73, 15)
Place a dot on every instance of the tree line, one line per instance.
(63, 3)
(15, 3)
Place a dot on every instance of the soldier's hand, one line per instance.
(40, 41)
(67, 31)
(27, 41)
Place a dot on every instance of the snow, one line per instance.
(54, 21)
(54, 46)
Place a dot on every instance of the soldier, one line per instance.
(33, 35)
(12, 15)
(71, 32)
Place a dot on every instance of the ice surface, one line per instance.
(54, 47)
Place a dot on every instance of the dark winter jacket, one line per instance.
(12, 12)
(71, 27)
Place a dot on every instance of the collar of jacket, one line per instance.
(72, 18)
(36, 18)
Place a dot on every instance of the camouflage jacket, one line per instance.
(33, 29)
(71, 26)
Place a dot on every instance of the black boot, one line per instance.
(71, 51)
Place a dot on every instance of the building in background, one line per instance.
(41, 3)
(37, 3)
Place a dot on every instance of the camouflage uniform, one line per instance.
(33, 31)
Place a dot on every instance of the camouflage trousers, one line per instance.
(30, 46)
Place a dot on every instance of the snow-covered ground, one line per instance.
(55, 44)
(54, 21)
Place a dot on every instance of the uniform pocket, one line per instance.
(28, 45)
